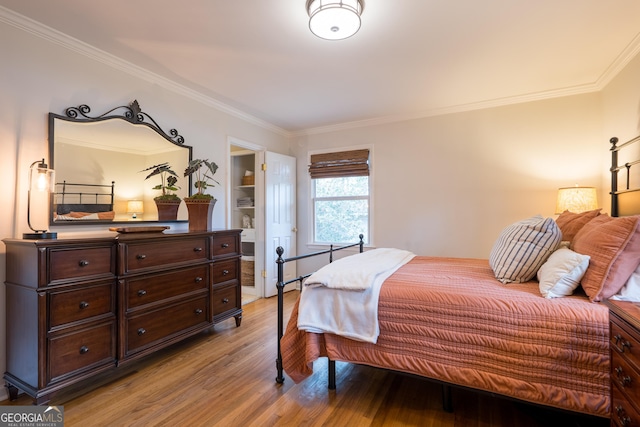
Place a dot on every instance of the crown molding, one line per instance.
(54, 36)
(461, 108)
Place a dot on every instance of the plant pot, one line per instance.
(167, 209)
(200, 213)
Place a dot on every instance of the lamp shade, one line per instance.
(334, 19)
(41, 183)
(135, 207)
(576, 199)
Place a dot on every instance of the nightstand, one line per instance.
(624, 323)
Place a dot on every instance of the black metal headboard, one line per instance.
(625, 199)
(89, 198)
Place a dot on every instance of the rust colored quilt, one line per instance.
(449, 319)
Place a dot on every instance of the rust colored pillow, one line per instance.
(107, 215)
(614, 247)
(570, 223)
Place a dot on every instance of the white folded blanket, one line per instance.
(342, 297)
(358, 272)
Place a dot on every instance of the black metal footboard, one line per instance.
(280, 286)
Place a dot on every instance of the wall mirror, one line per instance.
(100, 164)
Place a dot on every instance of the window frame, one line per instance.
(312, 199)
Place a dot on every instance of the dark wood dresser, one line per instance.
(80, 307)
(625, 363)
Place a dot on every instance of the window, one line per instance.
(340, 196)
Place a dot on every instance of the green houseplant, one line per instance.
(168, 202)
(200, 205)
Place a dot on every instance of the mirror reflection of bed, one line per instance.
(115, 150)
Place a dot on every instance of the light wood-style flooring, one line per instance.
(226, 378)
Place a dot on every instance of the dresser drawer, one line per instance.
(224, 271)
(140, 256)
(622, 413)
(159, 325)
(66, 264)
(157, 287)
(224, 245)
(81, 303)
(82, 349)
(625, 377)
(626, 342)
(225, 298)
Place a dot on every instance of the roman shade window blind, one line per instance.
(339, 164)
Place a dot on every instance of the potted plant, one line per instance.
(168, 202)
(200, 205)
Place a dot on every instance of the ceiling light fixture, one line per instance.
(334, 19)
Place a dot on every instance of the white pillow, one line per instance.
(631, 290)
(523, 247)
(561, 274)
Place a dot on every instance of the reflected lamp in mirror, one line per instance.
(576, 199)
(41, 182)
(135, 207)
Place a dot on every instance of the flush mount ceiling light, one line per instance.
(334, 19)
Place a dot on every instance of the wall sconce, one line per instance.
(576, 199)
(135, 207)
(41, 180)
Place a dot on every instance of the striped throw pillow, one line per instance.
(523, 247)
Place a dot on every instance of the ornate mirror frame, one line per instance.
(103, 190)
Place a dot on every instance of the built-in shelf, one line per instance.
(241, 162)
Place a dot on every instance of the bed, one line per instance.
(83, 202)
(466, 323)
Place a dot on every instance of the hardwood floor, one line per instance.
(226, 378)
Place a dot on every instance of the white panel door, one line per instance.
(280, 217)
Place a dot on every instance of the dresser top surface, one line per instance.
(115, 237)
(629, 311)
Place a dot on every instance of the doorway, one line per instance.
(262, 202)
(246, 211)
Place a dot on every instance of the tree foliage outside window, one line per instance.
(341, 209)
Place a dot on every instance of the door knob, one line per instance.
(294, 229)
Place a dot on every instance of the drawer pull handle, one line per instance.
(141, 256)
(225, 245)
(198, 311)
(623, 380)
(225, 300)
(142, 331)
(197, 249)
(83, 305)
(225, 272)
(142, 293)
(84, 349)
(198, 279)
(83, 263)
(622, 418)
(625, 344)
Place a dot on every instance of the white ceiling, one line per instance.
(411, 58)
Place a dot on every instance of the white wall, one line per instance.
(621, 114)
(39, 76)
(447, 185)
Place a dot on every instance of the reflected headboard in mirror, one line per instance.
(110, 153)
